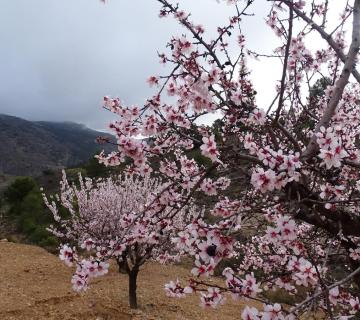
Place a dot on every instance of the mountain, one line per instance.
(30, 147)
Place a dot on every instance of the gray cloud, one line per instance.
(60, 57)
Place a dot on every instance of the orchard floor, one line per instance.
(36, 285)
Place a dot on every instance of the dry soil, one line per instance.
(34, 284)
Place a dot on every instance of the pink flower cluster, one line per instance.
(281, 191)
(331, 150)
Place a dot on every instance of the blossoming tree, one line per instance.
(119, 219)
(297, 158)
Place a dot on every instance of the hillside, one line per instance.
(36, 285)
(28, 147)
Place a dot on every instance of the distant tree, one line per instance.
(27, 212)
(116, 218)
(18, 190)
(95, 169)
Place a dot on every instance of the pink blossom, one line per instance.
(250, 313)
(88, 244)
(208, 149)
(79, 282)
(272, 312)
(332, 157)
(354, 253)
(334, 295)
(67, 255)
(212, 298)
(174, 289)
(203, 269)
(263, 180)
(355, 304)
(208, 187)
(152, 81)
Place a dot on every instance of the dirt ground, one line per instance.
(36, 285)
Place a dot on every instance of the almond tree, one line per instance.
(116, 218)
(295, 161)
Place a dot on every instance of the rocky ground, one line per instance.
(35, 285)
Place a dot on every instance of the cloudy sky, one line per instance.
(59, 58)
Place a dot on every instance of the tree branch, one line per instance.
(338, 283)
(327, 37)
(287, 51)
(350, 63)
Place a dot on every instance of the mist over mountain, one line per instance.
(30, 147)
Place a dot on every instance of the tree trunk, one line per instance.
(122, 266)
(132, 288)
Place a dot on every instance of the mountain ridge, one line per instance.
(30, 147)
